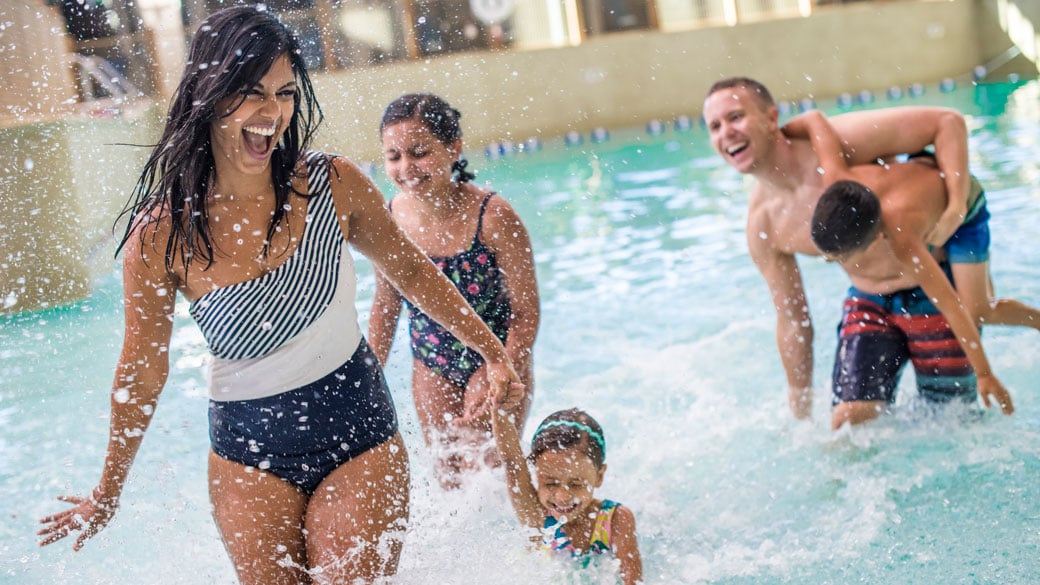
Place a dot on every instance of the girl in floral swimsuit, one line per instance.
(480, 244)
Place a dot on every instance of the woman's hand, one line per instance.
(88, 515)
(502, 391)
(507, 391)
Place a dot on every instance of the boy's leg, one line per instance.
(943, 371)
(975, 288)
(871, 353)
(968, 254)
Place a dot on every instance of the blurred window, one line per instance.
(114, 53)
(339, 34)
(749, 10)
(606, 16)
(451, 26)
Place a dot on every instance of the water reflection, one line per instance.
(659, 325)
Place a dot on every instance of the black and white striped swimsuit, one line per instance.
(294, 387)
(252, 319)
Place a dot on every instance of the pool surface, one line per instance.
(656, 322)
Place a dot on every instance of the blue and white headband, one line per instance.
(574, 425)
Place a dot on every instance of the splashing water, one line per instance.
(656, 322)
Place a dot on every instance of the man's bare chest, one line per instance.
(789, 226)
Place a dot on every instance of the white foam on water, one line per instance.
(659, 326)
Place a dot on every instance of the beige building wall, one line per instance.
(64, 181)
(34, 67)
(628, 79)
(62, 185)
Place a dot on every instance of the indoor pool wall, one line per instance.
(655, 321)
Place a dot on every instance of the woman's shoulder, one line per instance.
(316, 159)
(345, 178)
(155, 224)
(144, 250)
(313, 160)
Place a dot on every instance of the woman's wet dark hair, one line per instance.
(570, 429)
(437, 115)
(232, 50)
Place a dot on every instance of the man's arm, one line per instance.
(826, 143)
(794, 330)
(870, 135)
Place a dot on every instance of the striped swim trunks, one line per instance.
(879, 333)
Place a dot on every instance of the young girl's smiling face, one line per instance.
(566, 481)
(416, 161)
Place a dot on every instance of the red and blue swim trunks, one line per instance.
(878, 334)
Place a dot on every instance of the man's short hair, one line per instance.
(846, 219)
(755, 88)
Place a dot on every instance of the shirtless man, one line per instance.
(873, 219)
(742, 120)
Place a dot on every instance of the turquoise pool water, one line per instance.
(656, 322)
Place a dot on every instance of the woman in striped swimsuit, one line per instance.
(234, 212)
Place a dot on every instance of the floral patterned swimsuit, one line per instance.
(556, 541)
(477, 276)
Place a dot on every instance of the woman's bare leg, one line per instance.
(357, 517)
(441, 405)
(260, 518)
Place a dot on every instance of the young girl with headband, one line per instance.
(568, 452)
(480, 244)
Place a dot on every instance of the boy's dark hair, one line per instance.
(230, 52)
(570, 429)
(846, 219)
(437, 115)
(759, 91)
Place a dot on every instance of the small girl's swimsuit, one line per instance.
(476, 274)
(294, 388)
(555, 539)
